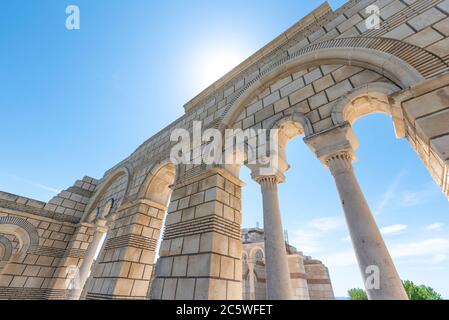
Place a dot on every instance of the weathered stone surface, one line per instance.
(289, 79)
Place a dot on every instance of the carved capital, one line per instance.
(269, 182)
(340, 163)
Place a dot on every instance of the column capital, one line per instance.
(335, 142)
(340, 162)
(267, 179)
(262, 170)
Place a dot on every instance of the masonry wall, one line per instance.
(318, 281)
(200, 251)
(201, 247)
(427, 125)
(33, 274)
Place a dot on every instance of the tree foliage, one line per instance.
(420, 292)
(414, 292)
(357, 294)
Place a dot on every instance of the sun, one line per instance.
(217, 60)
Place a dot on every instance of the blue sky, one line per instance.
(75, 103)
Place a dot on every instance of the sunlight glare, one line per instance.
(215, 61)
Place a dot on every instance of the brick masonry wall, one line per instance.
(318, 281)
(201, 247)
(415, 31)
(31, 273)
(427, 126)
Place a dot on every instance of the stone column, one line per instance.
(335, 148)
(370, 249)
(252, 289)
(278, 274)
(88, 260)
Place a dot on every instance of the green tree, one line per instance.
(414, 292)
(421, 292)
(357, 294)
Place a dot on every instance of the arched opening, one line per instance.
(115, 186)
(25, 233)
(157, 188)
(408, 207)
(6, 251)
(373, 98)
(134, 230)
(17, 238)
(100, 214)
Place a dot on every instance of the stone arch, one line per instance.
(156, 186)
(294, 124)
(254, 251)
(23, 230)
(240, 158)
(378, 54)
(367, 99)
(6, 246)
(89, 214)
(290, 126)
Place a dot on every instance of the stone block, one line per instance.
(253, 108)
(443, 26)
(123, 287)
(227, 268)
(338, 90)
(281, 83)
(426, 19)
(429, 103)
(441, 147)
(292, 87)
(323, 83)
(301, 94)
(186, 289)
(191, 244)
(281, 105)
(424, 38)
(234, 290)
(318, 100)
(140, 288)
(272, 98)
(313, 75)
(441, 48)
(434, 125)
(345, 72)
(180, 266)
(365, 77)
(263, 114)
(217, 289)
(169, 289)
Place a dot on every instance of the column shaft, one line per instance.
(86, 265)
(278, 275)
(369, 246)
(252, 290)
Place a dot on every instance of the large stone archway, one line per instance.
(313, 81)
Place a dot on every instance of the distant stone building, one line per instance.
(310, 278)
